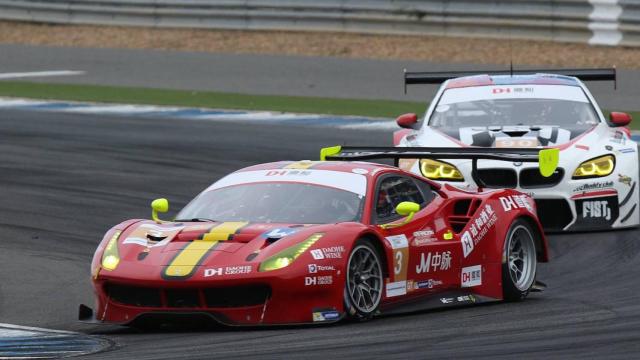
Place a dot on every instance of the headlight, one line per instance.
(439, 170)
(110, 257)
(600, 166)
(286, 256)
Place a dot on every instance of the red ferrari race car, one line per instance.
(319, 241)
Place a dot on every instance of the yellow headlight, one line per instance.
(439, 170)
(111, 257)
(288, 255)
(600, 166)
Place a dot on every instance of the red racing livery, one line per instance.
(317, 242)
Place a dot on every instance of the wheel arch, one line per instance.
(542, 250)
(378, 243)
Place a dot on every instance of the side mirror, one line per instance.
(619, 119)
(159, 206)
(407, 121)
(405, 208)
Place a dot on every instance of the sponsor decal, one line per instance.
(596, 213)
(524, 142)
(229, 270)
(507, 90)
(459, 299)
(596, 209)
(279, 233)
(594, 186)
(471, 276)
(434, 262)
(515, 202)
(411, 285)
(624, 179)
(326, 315)
(302, 165)
(288, 173)
(313, 268)
(398, 241)
(333, 252)
(466, 298)
(427, 284)
(478, 229)
(397, 288)
(423, 237)
(400, 246)
(618, 137)
(318, 280)
(627, 150)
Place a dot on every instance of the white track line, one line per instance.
(32, 329)
(18, 75)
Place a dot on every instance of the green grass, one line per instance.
(218, 100)
(209, 99)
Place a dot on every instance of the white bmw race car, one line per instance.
(595, 186)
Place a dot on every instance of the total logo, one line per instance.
(313, 268)
(596, 209)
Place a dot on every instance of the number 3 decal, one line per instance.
(398, 268)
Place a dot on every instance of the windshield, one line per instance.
(276, 202)
(516, 105)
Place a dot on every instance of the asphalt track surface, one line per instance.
(263, 74)
(64, 179)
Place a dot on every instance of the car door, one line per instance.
(421, 261)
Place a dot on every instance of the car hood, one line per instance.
(150, 244)
(501, 136)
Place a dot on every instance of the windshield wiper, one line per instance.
(195, 220)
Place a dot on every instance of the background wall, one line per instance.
(600, 22)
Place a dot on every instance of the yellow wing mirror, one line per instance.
(159, 206)
(405, 208)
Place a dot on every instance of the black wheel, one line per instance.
(364, 281)
(519, 261)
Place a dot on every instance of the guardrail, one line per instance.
(603, 22)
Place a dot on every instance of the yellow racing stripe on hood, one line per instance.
(191, 256)
(301, 165)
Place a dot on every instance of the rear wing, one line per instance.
(547, 159)
(603, 74)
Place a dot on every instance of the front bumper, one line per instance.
(565, 204)
(269, 300)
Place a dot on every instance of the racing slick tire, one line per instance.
(519, 262)
(364, 281)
